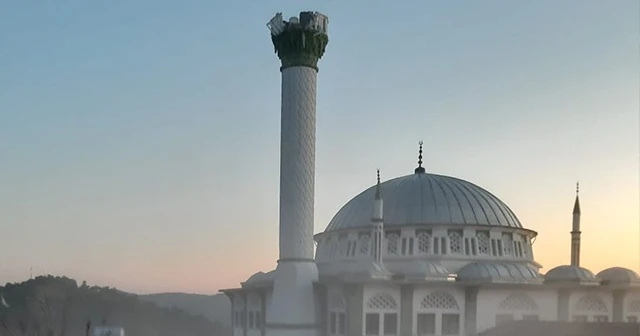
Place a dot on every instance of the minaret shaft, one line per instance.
(378, 224)
(575, 240)
(297, 163)
(292, 310)
(575, 249)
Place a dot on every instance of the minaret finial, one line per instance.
(378, 194)
(420, 169)
(576, 205)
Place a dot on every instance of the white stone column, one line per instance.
(297, 163)
(618, 305)
(564, 295)
(354, 297)
(471, 310)
(406, 310)
(245, 322)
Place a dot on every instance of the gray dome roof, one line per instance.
(499, 272)
(618, 275)
(427, 199)
(570, 274)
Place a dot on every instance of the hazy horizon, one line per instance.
(140, 141)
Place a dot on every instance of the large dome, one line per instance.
(427, 199)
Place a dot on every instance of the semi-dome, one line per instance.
(352, 269)
(499, 272)
(417, 269)
(618, 275)
(570, 274)
(427, 199)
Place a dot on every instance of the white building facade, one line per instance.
(421, 254)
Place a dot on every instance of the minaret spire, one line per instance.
(575, 230)
(576, 205)
(378, 196)
(420, 169)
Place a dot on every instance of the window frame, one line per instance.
(384, 323)
(503, 318)
(426, 314)
(442, 324)
(332, 323)
(367, 324)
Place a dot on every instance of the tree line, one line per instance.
(57, 306)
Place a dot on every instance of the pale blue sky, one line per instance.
(139, 139)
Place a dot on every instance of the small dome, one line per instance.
(570, 274)
(260, 278)
(427, 199)
(498, 272)
(417, 269)
(618, 275)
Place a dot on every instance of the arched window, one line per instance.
(455, 242)
(633, 311)
(517, 306)
(381, 315)
(255, 316)
(321, 250)
(507, 244)
(634, 306)
(424, 242)
(520, 302)
(382, 301)
(591, 308)
(332, 252)
(527, 246)
(337, 309)
(483, 242)
(439, 301)
(342, 246)
(392, 243)
(364, 242)
(438, 314)
(239, 317)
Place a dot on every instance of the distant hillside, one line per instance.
(216, 308)
(48, 306)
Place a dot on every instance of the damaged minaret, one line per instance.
(299, 43)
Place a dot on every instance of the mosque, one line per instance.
(420, 254)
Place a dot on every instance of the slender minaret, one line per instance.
(575, 231)
(299, 43)
(378, 225)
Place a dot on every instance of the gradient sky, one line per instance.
(139, 139)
